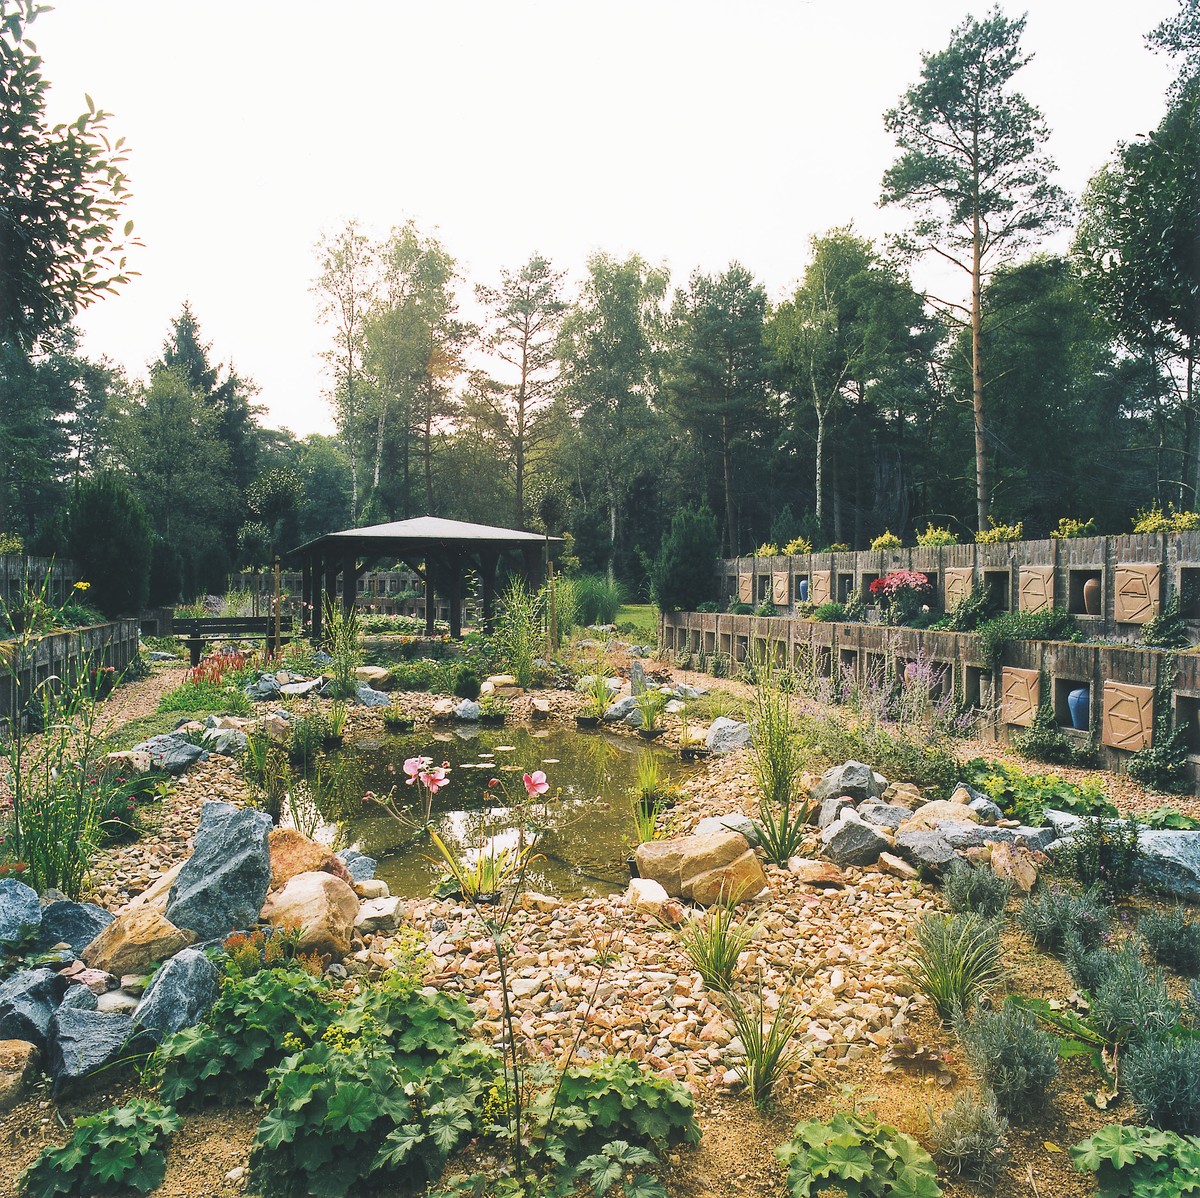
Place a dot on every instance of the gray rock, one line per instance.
(725, 735)
(850, 778)
(832, 808)
(928, 850)
(265, 689)
(620, 709)
(20, 911)
(987, 811)
(223, 884)
(1170, 863)
(966, 835)
(79, 998)
(633, 718)
(300, 689)
(468, 711)
(170, 753)
(369, 697)
(852, 842)
(182, 990)
(321, 658)
(360, 867)
(28, 1001)
(84, 1042)
(1063, 822)
(637, 678)
(159, 655)
(225, 742)
(76, 924)
(683, 691)
(884, 814)
(734, 822)
(116, 1002)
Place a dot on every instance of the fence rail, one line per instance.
(19, 572)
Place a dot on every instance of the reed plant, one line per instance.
(597, 598)
(713, 943)
(768, 1038)
(598, 696)
(644, 813)
(520, 631)
(651, 703)
(777, 759)
(955, 961)
(341, 641)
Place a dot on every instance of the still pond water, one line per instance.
(591, 775)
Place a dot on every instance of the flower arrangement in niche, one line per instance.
(901, 594)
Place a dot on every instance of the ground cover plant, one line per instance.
(215, 685)
(1026, 797)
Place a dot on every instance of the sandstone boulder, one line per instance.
(1015, 864)
(18, 1061)
(646, 896)
(138, 936)
(293, 853)
(741, 879)
(815, 873)
(323, 907)
(927, 817)
(674, 862)
(902, 794)
(376, 677)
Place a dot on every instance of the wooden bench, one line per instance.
(197, 631)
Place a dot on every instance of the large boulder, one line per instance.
(293, 853)
(1170, 863)
(969, 836)
(734, 822)
(134, 940)
(852, 841)
(367, 696)
(815, 873)
(620, 709)
(225, 742)
(850, 778)
(20, 912)
(222, 885)
(902, 794)
(675, 862)
(377, 677)
(926, 850)
(18, 1060)
(726, 736)
(468, 711)
(265, 689)
(76, 924)
(84, 1042)
(832, 808)
(742, 878)
(929, 816)
(321, 906)
(170, 753)
(874, 811)
(380, 915)
(28, 1001)
(182, 990)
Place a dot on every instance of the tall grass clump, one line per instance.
(956, 960)
(1050, 917)
(520, 631)
(1011, 1055)
(341, 641)
(713, 942)
(597, 598)
(769, 1040)
(777, 759)
(1162, 1078)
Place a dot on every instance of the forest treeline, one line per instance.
(1047, 385)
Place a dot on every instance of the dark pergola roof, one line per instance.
(452, 545)
(421, 534)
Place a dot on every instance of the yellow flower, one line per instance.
(83, 586)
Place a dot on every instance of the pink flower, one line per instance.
(535, 783)
(435, 779)
(413, 768)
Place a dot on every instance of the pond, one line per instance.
(590, 774)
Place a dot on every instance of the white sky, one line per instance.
(690, 131)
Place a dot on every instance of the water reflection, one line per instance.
(583, 841)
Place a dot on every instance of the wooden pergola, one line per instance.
(453, 547)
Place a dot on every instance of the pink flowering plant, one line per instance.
(902, 594)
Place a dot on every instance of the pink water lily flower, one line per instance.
(434, 779)
(536, 784)
(413, 767)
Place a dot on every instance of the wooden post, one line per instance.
(429, 598)
(278, 611)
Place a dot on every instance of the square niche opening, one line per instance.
(1063, 688)
(1077, 580)
(867, 579)
(876, 671)
(845, 587)
(1187, 717)
(848, 662)
(824, 661)
(1189, 592)
(973, 686)
(763, 587)
(741, 648)
(997, 583)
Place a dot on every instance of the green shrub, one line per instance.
(766, 608)
(1168, 817)
(1026, 797)
(738, 608)
(1051, 916)
(308, 736)
(1174, 939)
(886, 540)
(1090, 965)
(797, 546)
(1070, 530)
(935, 536)
(955, 961)
(860, 1156)
(122, 1147)
(255, 1023)
(1162, 1078)
(903, 754)
(996, 634)
(970, 1139)
(1153, 519)
(997, 534)
(682, 574)
(108, 538)
(829, 613)
(1011, 1055)
(1162, 765)
(1130, 1002)
(1166, 630)
(973, 610)
(1140, 1162)
(708, 605)
(614, 1100)
(419, 675)
(599, 599)
(1103, 852)
(969, 889)
(1044, 739)
(766, 549)
(466, 682)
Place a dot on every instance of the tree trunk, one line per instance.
(727, 466)
(820, 480)
(983, 486)
(1190, 384)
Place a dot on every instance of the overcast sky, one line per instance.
(689, 131)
